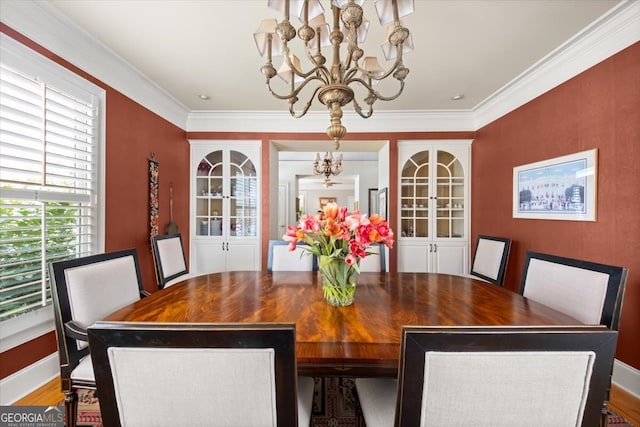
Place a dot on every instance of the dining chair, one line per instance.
(168, 258)
(375, 261)
(490, 258)
(587, 291)
(199, 374)
(85, 290)
(498, 376)
(280, 258)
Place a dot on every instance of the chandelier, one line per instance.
(334, 83)
(327, 167)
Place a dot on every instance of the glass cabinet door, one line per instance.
(243, 196)
(414, 196)
(209, 199)
(449, 196)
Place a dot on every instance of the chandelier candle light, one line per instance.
(340, 241)
(328, 167)
(334, 83)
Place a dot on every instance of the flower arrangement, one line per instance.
(339, 239)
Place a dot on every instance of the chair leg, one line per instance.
(604, 417)
(71, 408)
(359, 416)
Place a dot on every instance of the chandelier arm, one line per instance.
(377, 94)
(294, 93)
(314, 70)
(306, 107)
(358, 110)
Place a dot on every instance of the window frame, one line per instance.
(30, 325)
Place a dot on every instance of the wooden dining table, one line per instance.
(362, 339)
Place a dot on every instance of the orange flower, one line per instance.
(331, 211)
(332, 228)
(376, 219)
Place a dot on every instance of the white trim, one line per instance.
(613, 32)
(627, 378)
(29, 379)
(26, 327)
(318, 121)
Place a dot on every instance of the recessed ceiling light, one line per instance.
(457, 97)
(204, 97)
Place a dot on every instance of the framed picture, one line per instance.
(382, 202)
(373, 201)
(322, 201)
(562, 188)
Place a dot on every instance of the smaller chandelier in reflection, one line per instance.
(327, 167)
(331, 78)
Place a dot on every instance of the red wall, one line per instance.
(599, 108)
(133, 133)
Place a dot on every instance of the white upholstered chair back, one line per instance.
(498, 376)
(376, 260)
(490, 258)
(462, 388)
(98, 289)
(199, 375)
(169, 258)
(174, 386)
(589, 292)
(280, 258)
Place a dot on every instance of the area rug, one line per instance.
(333, 406)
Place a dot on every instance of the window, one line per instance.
(50, 170)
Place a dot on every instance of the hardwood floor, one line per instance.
(622, 403)
(625, 404)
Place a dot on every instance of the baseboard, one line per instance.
(627, 378)
(29, 379)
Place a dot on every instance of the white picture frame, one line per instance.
(562, 188)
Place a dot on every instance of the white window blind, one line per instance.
(48, 185)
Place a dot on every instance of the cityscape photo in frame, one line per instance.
(562, 188)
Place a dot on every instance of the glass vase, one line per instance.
(338, 280)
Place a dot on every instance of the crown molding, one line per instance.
(314, 121)
(611, 33)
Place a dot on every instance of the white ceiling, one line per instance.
(197, 47)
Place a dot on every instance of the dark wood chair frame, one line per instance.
(418, 340)
(502, 271)
(157, 260)
(68, 331)
(615, 286)
(280, 337)
(272, 243)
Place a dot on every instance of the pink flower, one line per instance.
(342, 213)
(309, 223)
(350, 259)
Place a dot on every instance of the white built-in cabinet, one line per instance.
(225, 206)
(434, 190)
